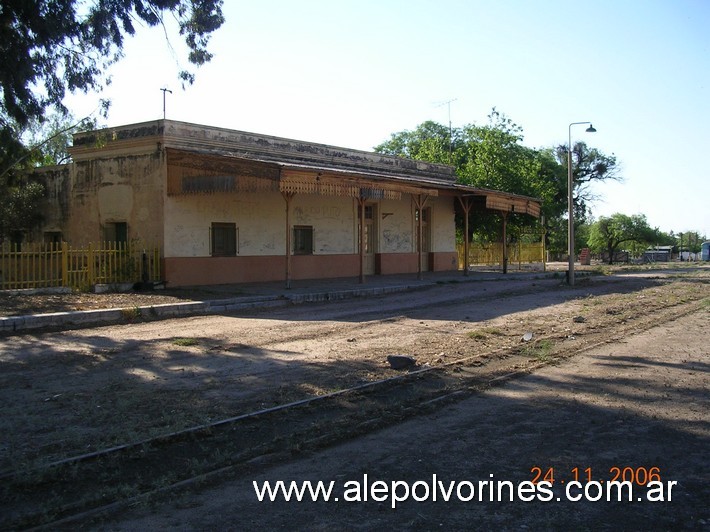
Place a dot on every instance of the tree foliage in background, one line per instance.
(607, 234)
(492, 156)
(50, 46)
(589, 165)
(47, 144)
(48, 141)
(21, 211)
(688, 241)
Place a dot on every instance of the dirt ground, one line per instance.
(642, 403)
(18, 303)
(67, 393)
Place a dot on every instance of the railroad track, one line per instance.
(86, 486)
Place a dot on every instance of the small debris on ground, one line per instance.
(401, 361)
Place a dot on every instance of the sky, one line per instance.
(350, 73)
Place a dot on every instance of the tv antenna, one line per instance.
(165, 89)
(451, 140)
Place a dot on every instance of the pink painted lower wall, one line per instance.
(444, 261)
(196, 271)
(391, 263)
(324, 266)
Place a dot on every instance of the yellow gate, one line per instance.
(39, 265)
(491, 254)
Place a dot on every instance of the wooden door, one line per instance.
(425, 237)
(370, 236)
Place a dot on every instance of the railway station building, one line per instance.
(227, 206)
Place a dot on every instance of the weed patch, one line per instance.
(185, 342)
(481, 334)
(540, 350)
(131, 313)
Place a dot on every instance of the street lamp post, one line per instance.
(570, 201)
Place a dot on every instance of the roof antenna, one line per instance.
(165, 89)
(451, 140)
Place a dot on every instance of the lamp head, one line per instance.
(591, 129)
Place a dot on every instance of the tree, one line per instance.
(23, 201)
(496, 158)
(430, 142)
(50, 46)
(489, 156)
(493, 156)
(21, 211)
(589, 165)
(48, 140)
(688, 241)
(608, 233)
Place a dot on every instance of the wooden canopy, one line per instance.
(199, 173)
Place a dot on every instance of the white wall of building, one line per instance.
(261, 222)
(443, 224)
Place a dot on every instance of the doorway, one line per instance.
(425, 237)
(370, 236)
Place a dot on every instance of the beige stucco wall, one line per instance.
(57, 183)
(86, 195)
(332, 219)
(130, 189)
(398, 225)
(259, 218)
(443, 224)
(261, 222)
(396, 222)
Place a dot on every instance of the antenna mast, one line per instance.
(451, 140)
(165, 89)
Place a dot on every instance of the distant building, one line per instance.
(658, 254)
(618, 257)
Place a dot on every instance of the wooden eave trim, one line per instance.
(331, 177)
(221, 163)
(500, 201)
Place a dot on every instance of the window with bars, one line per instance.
(116, 232)
(303, 240)
(223, 239)
(52, 237)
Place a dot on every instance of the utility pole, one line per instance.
(165, 89)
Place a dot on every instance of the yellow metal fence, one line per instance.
(491, 254)
(39, 265)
